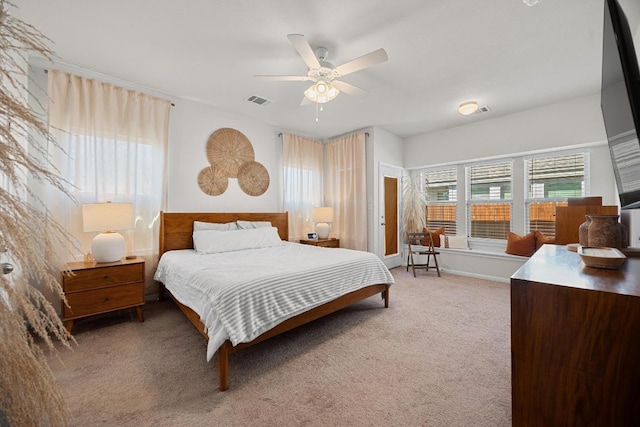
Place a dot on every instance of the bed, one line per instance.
(287, 284)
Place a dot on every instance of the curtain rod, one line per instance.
(46, 71)
(366, 134)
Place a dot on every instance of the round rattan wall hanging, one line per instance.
(253, 178)
(212, 181)
(230, 155)
(228, 149)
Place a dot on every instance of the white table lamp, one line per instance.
(108, 246)
(322, 216)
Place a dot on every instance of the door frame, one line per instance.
(389, 170)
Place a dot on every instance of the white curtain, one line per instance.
(302, 182)
(345, 189)
(115, 141)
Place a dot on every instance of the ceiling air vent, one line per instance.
(483, 109)
(259, 100)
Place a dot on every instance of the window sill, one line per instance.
(483, 253)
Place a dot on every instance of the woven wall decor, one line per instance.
(229, 149)
(212, 181)
(230, 155)
(253, 178)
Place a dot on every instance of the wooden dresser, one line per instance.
(575, 342)
(92, 288)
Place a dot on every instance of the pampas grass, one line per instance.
(414, 217)
(29, 239)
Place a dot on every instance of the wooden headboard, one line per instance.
(176, 228)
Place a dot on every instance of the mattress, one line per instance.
(241, 294)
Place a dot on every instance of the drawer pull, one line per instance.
(106, 299)
(105, 277)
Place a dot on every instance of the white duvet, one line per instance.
(239, 295)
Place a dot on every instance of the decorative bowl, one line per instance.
(601, 257)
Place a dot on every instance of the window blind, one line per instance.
(440, 189)
(550, 181)
(489, 200)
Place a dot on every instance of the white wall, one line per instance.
(191, 124)
(384, 147)
(564, 125)
(569, 123)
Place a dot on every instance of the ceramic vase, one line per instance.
(583, 231)
(604, 231)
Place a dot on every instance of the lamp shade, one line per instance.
(107, 246)
(321, 92)
(323, 214)
(107, 216)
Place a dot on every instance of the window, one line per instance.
(112, 153)
(116, 168)
(489, 200)
(440, 188)
(550, 181)
(486, 194)
(302, 160)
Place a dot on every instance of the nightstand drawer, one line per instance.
(102, 277)
(102, 300)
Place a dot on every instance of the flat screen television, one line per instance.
(620, 102)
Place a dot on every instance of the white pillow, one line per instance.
(215, 241)
(453, 242)
(199, 226)
(247, 225)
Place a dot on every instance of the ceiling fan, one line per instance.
(324, 75)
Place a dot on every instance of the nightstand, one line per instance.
(92, 288)
(325, 243)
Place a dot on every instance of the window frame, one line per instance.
(559, 201)
(452, 230)
(469, 201)
(519, 215)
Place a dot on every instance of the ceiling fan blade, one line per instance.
(348, 88)
(305, 101)
(372, 58)
(284, 78)
(302, 46)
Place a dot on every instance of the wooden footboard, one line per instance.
(227, 348)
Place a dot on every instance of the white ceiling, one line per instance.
(502, 53)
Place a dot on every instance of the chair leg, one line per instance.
(435, 258)
(413, 264)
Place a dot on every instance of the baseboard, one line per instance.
(476, 275)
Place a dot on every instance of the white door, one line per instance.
(389, 221)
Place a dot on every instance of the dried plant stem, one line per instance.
(413, 204)
(29, 239)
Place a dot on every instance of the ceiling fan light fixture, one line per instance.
(321, 92)
(467, 108)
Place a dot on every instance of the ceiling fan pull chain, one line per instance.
(317, 112)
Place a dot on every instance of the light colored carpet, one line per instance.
(439, 356)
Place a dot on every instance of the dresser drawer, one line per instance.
(103, 300)
(101, 277)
